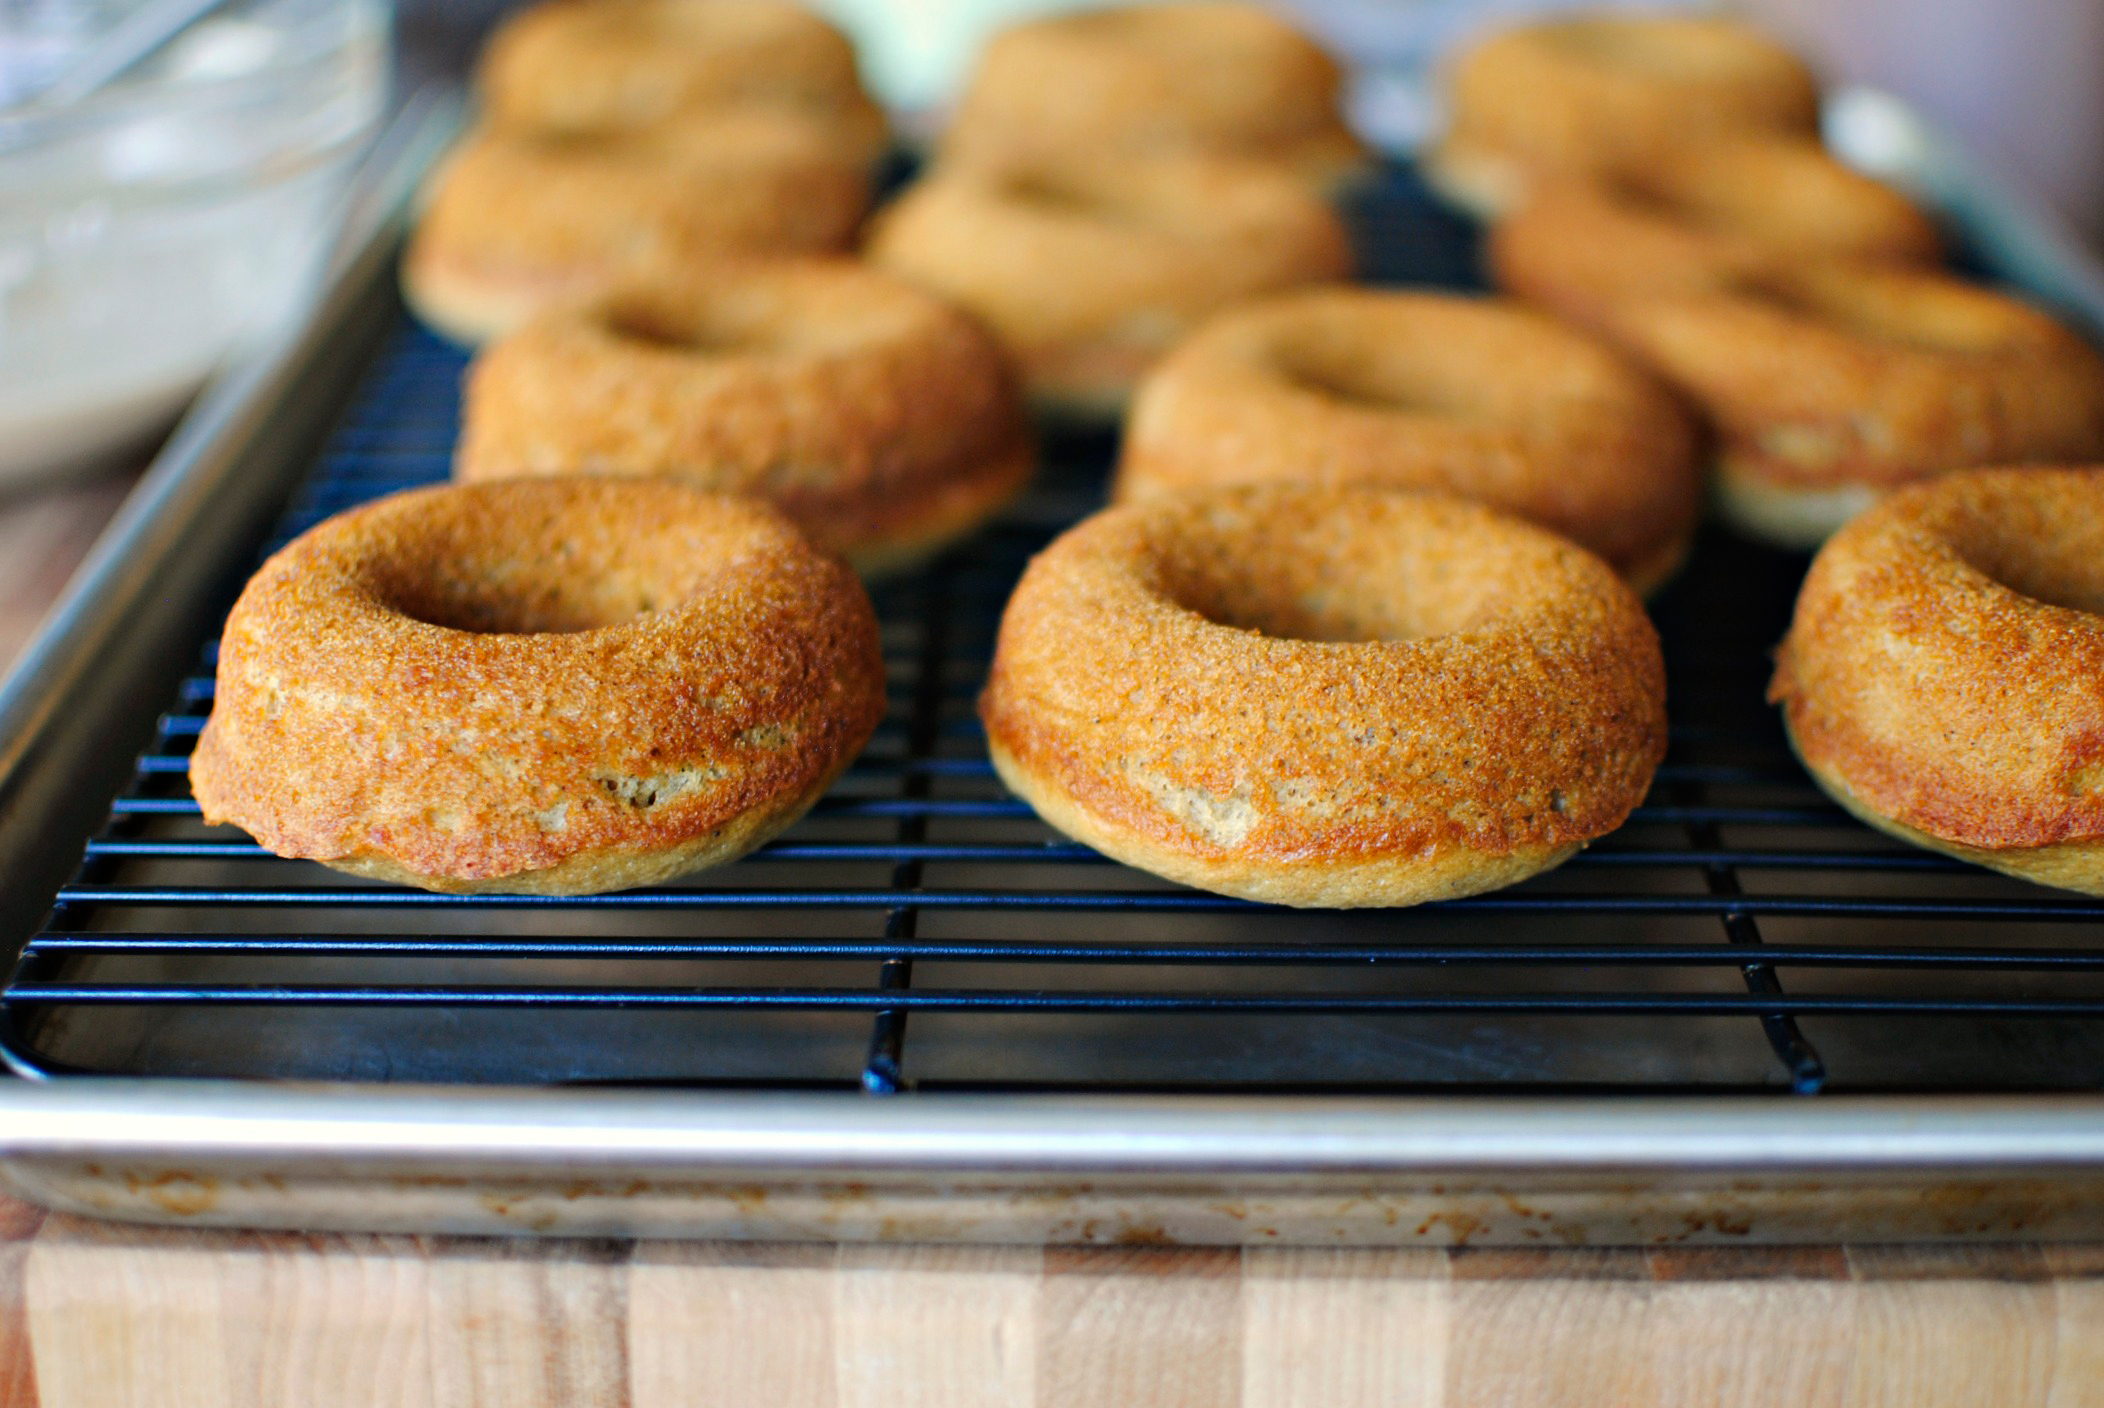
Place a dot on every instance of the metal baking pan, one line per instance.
(1626, 1050)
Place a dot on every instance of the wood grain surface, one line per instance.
(43, 536)
(100, 1314)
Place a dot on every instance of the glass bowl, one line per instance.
(148, 228)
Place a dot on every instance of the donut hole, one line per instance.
(738, 315)
(1744, 209)
(2057, 560)
(1931, 315)
(580, 146)
(1295, 610)
(1782, 193)
(1324, 580)
(526, 598)
(1157, 197)
(531, 574)
(1046, 195)
(686, 330)
(1469, 361)
(1391, 380)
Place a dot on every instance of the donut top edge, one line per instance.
(1483, 397)
(816, 383)
(1534, 723)
(1946, 657)
(1708, 216)
(536, 206)
(1597, 87)
(1210, 74)
(1843, 372)
(345, 727)
(608, 65)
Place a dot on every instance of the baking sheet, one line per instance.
(1272, 1167)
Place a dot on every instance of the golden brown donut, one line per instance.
(1831, 384)
(1703, 219)
(1943, 678)
(594, 66)
(1607, 92)
(1217, 77)
(549, 687)
(886, 423)
(1476, 397)
(1325, 697)
(518, 222)
(1090, 270)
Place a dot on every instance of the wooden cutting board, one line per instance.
(102, 1314)
(43, 536)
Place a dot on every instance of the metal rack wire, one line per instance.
(920, 900)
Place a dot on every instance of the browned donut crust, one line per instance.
(1090, 270)
(551, 687)
(517, 222)
(581, 66)
(1943, 678)
(886, 423)
(1597, 93)
(1218, 77)
(1834, 383)
(1703, 219)
(1475, 397)
(1325, 697)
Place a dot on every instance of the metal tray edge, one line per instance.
(1214, 1170)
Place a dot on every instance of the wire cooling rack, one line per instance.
(922, 930)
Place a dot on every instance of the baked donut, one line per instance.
(1604, 93)
(556, 687)
(1326, 697)
(595, 66)
(1832, 383)
(1216, 77)
(1710, 216)
(1476, 397)
(886, 423)
(517, 222)
(1090, 270)
(1943, 678)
